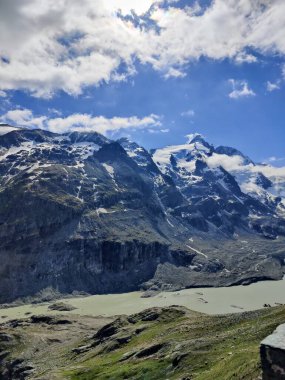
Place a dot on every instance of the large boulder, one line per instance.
(272, 353)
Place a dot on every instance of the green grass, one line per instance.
(146, 370)
(220, 348)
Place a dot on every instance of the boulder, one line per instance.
(61, 306)
(272, 352)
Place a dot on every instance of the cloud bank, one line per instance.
(81, 122)
(67, 45)
(235, 164)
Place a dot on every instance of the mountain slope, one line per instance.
(81, 212)
(159, 343)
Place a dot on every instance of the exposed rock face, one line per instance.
(79, 212)
(272, 353)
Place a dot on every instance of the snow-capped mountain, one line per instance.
(81, 212)
(263, 182)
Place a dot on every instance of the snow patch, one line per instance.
(102, 210)
(196, 250)
(168, 221)
(110, 170)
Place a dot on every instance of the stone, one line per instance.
(110, 329)
(81, 349)
(61, 306)
(149, 351)
(5, 337)
(49, 320)
(177, 359)
(272, 352)
(3, 355)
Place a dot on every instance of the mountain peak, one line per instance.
(92, 137)
(124, 140)
(193, 137)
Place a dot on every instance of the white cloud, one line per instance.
(272, 86)
(283, 72)
(101, 124)
(24, 118)
(269, 170)
(240, 89)
(158, 130)
(229, 163)
(243, 57)
(234, 25)
(273, 159)
(126, 6)
(67, 45)
(236, 164)
(80, 122)
(174, 73)
(3, 94)
(188, 113)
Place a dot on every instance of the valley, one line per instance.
(142, 190)
(122, 263)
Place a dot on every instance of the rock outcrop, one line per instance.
(272, 353)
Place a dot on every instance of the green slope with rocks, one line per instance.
(159, 343)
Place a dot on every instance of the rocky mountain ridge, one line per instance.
(81, 212)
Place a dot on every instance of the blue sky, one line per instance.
(223, 84)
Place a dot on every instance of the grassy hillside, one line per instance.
(169, 343)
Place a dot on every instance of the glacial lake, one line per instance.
(206, 300)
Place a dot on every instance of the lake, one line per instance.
(206, 300)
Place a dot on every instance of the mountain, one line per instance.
(80, 212)
(6, 128)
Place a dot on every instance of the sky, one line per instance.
(154, 71)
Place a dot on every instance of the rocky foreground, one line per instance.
(158, 343)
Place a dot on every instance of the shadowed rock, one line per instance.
(61, 306)
(272, 353)
(49, 320)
